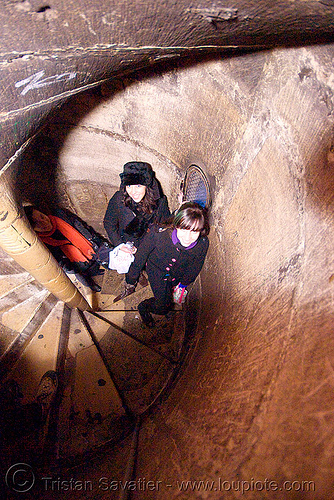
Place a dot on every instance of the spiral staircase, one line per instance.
(112, 369)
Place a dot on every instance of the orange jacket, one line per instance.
(75, 246)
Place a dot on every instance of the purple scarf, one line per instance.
(176, 240)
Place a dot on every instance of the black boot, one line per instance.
(86, 280)
(93, 269)
(145, 315)
(142, 280)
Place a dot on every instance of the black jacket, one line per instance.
(118, 217)
(166, 261)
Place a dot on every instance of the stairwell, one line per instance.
(112, 369)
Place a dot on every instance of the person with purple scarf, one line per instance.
(173, 255)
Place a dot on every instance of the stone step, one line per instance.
(19, 295)
(112, 286)
(165, 338)
(140, 371)
(113, 367)
(35, 352)
(21, 314)
(10, 282)
(14, 342)
(91, 410)
(39, 355)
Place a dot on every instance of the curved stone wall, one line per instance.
(254, 401)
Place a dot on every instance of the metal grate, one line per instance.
(196, 187)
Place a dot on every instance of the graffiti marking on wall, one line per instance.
(36, 81)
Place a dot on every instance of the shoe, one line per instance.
(143, 281)
(88, 281)
(128, 290)
(97, 272)
(46, 391)
(145, 315)
(66, 267)
(95, 287)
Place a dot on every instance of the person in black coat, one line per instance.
(135, 207)
(173, 256)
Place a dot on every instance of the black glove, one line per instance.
(128, 290)
(102, 254)
(137, 227)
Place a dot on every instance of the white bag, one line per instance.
(119, 260)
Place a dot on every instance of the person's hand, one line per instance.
(128, 290)
(125, 248)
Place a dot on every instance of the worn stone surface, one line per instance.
(50, 51)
